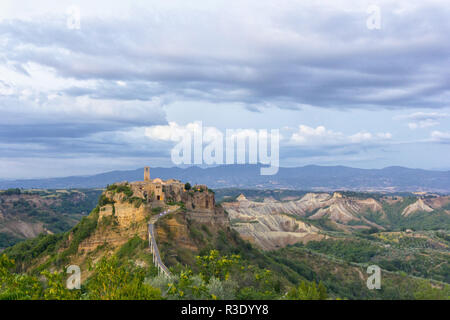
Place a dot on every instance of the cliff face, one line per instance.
(125, 212)
(117, 224)
(200, 204)
(315, 206)
(272, 224)
(417, 206)
(217, 216)
(120, 224)
(184, 234)
(267, 225)
(202, 201)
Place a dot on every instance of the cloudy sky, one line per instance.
(106, 91)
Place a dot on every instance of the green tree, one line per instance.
(56, 287)
(112, 281)
(426, 292)
(187, 286)
(187, 186)
(322, 291)
(307, 291)
(214, 265)
(256, 284)
(16, 286)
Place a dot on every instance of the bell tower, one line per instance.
(147, 174)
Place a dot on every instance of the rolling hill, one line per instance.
(314, 178)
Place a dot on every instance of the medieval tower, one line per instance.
(147, 174)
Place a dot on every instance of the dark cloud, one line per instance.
(322, 57)
(114, 76)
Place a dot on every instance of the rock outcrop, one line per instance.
(199, 200)
(417, 206)
(315, 205)
(267, 226)
(128, 206)
(124, 213)
(272, 224)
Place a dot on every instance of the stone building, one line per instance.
(154, 190)
(157, 192)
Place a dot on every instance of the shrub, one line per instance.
(104, 200)
(136, 201)
(308, 291)
(128, 249)
(113, 281)
(125, 189)
(82, 230)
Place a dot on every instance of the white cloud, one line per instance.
(385, 135)
(174, 132)
(28, 106)
(306, 135)
(423, 124)
(420, 116)
(422, 120)
(439, 136)
(361, 137)
(320, 136)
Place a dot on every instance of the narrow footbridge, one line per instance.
(154, 246)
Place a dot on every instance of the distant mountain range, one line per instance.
(395, 179)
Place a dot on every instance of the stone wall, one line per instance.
(211, 217)
(196, 200)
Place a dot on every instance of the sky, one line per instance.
(94, 86)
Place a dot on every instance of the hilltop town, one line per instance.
(198, 200)
(128, 211)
